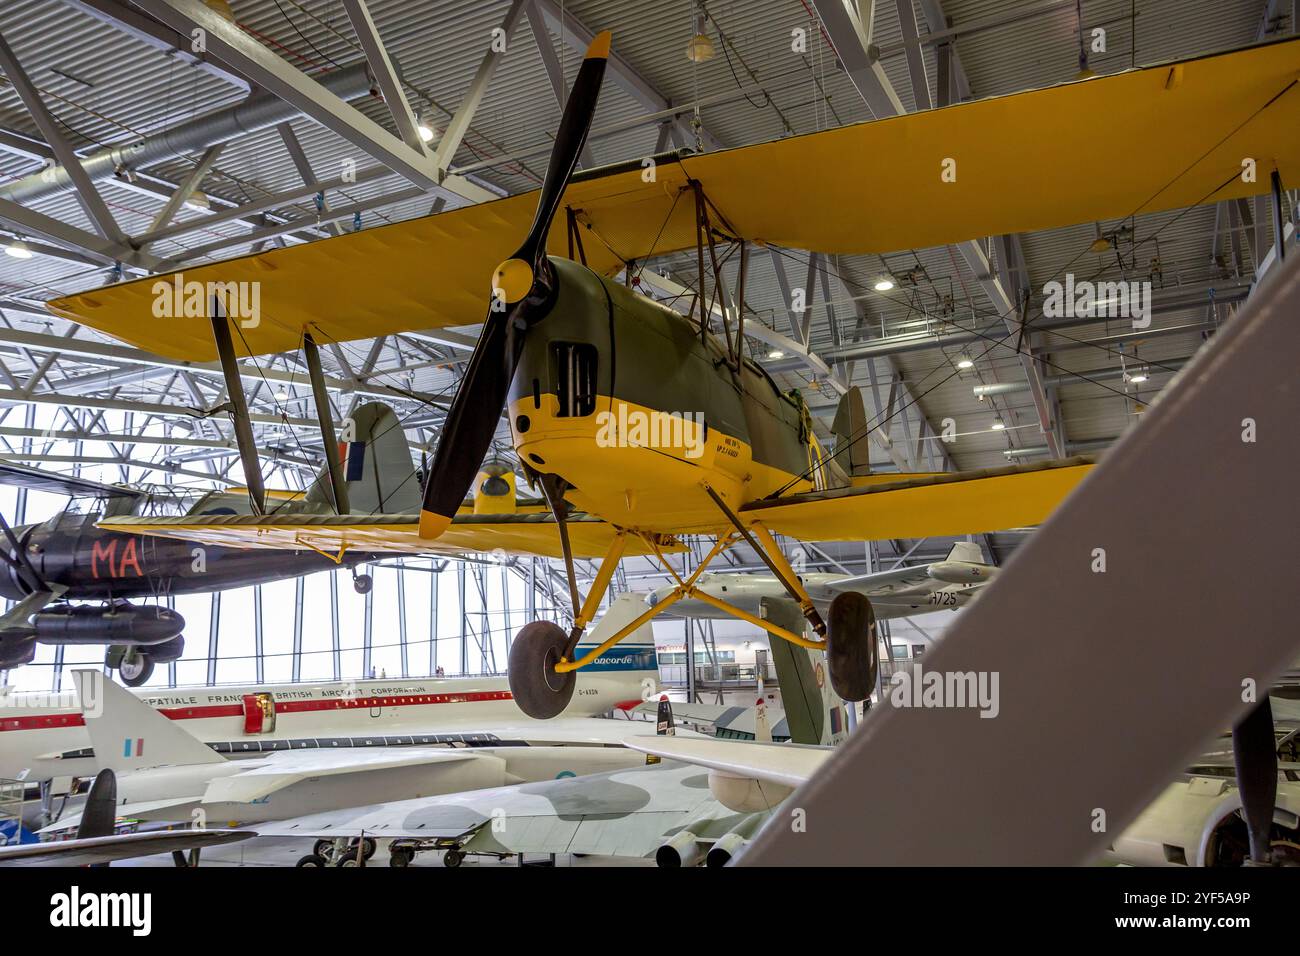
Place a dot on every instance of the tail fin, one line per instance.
(813, 712)
(99, 815)
(762, 729)
(664, 719)
(629, 669)
(849, 428)
(376, 463)
(128, 734)
(967, 551)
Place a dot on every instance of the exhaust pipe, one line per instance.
(681, 850)
(258, 112)
(722, 851)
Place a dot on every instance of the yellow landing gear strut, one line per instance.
(542, 667)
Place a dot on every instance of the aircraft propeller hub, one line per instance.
(512, 280)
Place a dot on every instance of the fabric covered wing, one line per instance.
(966, 502)
(528, 534)
(1192, 121)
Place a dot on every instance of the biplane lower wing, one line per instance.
(920, 506)
(526, 534)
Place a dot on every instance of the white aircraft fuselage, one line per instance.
(43, 738)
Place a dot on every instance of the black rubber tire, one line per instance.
(400, 857)
(311, 859)
(362, 583)
(851, 646)
(323, 848)
(369, 847)
(167, 651)
(539, 691)
(139, 678)
(348, 861)
(452, 859)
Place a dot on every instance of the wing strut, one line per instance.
(238, 408)
(321, 399)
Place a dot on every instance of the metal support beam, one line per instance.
(460, 120)
(385, 73)
(554, 73)
(186, 188)
(171, 44)
(88, 196)
(578, 37)
(230, 45)
(29, 222)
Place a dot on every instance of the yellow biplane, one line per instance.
(645, 420)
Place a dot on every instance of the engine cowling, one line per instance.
(682, 850)
(745, 794)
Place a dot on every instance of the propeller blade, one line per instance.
(519, 289)
(471, 421)
(1254, 751)
(517, 275)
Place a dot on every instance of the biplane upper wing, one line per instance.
(528, 534)
(1019, 163)
(919, 506)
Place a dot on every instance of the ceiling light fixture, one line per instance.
(884, 284)
(998, 425)
(700, 48)
(776, 354)
(427, 131)
(1138, 378)
(18, 249)
(964, 362)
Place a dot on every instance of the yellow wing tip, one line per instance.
(433, 525)
(599, 49)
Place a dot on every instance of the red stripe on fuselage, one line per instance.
(44, 721)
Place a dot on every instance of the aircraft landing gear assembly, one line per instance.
(342, 852)
(542, 667)
(362, 583)
(135, 662)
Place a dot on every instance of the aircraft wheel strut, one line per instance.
(539, 691)
(851, 646)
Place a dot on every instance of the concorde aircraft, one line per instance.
(48, 741)
(165, 773)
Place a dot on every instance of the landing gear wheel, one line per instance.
(452, 859)
(402, 856)
(135, 669)
(311, 859)
(851, 646)
(323, 848)
(539, 691)
(368, 848)
(362, 583)
(348, 861)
